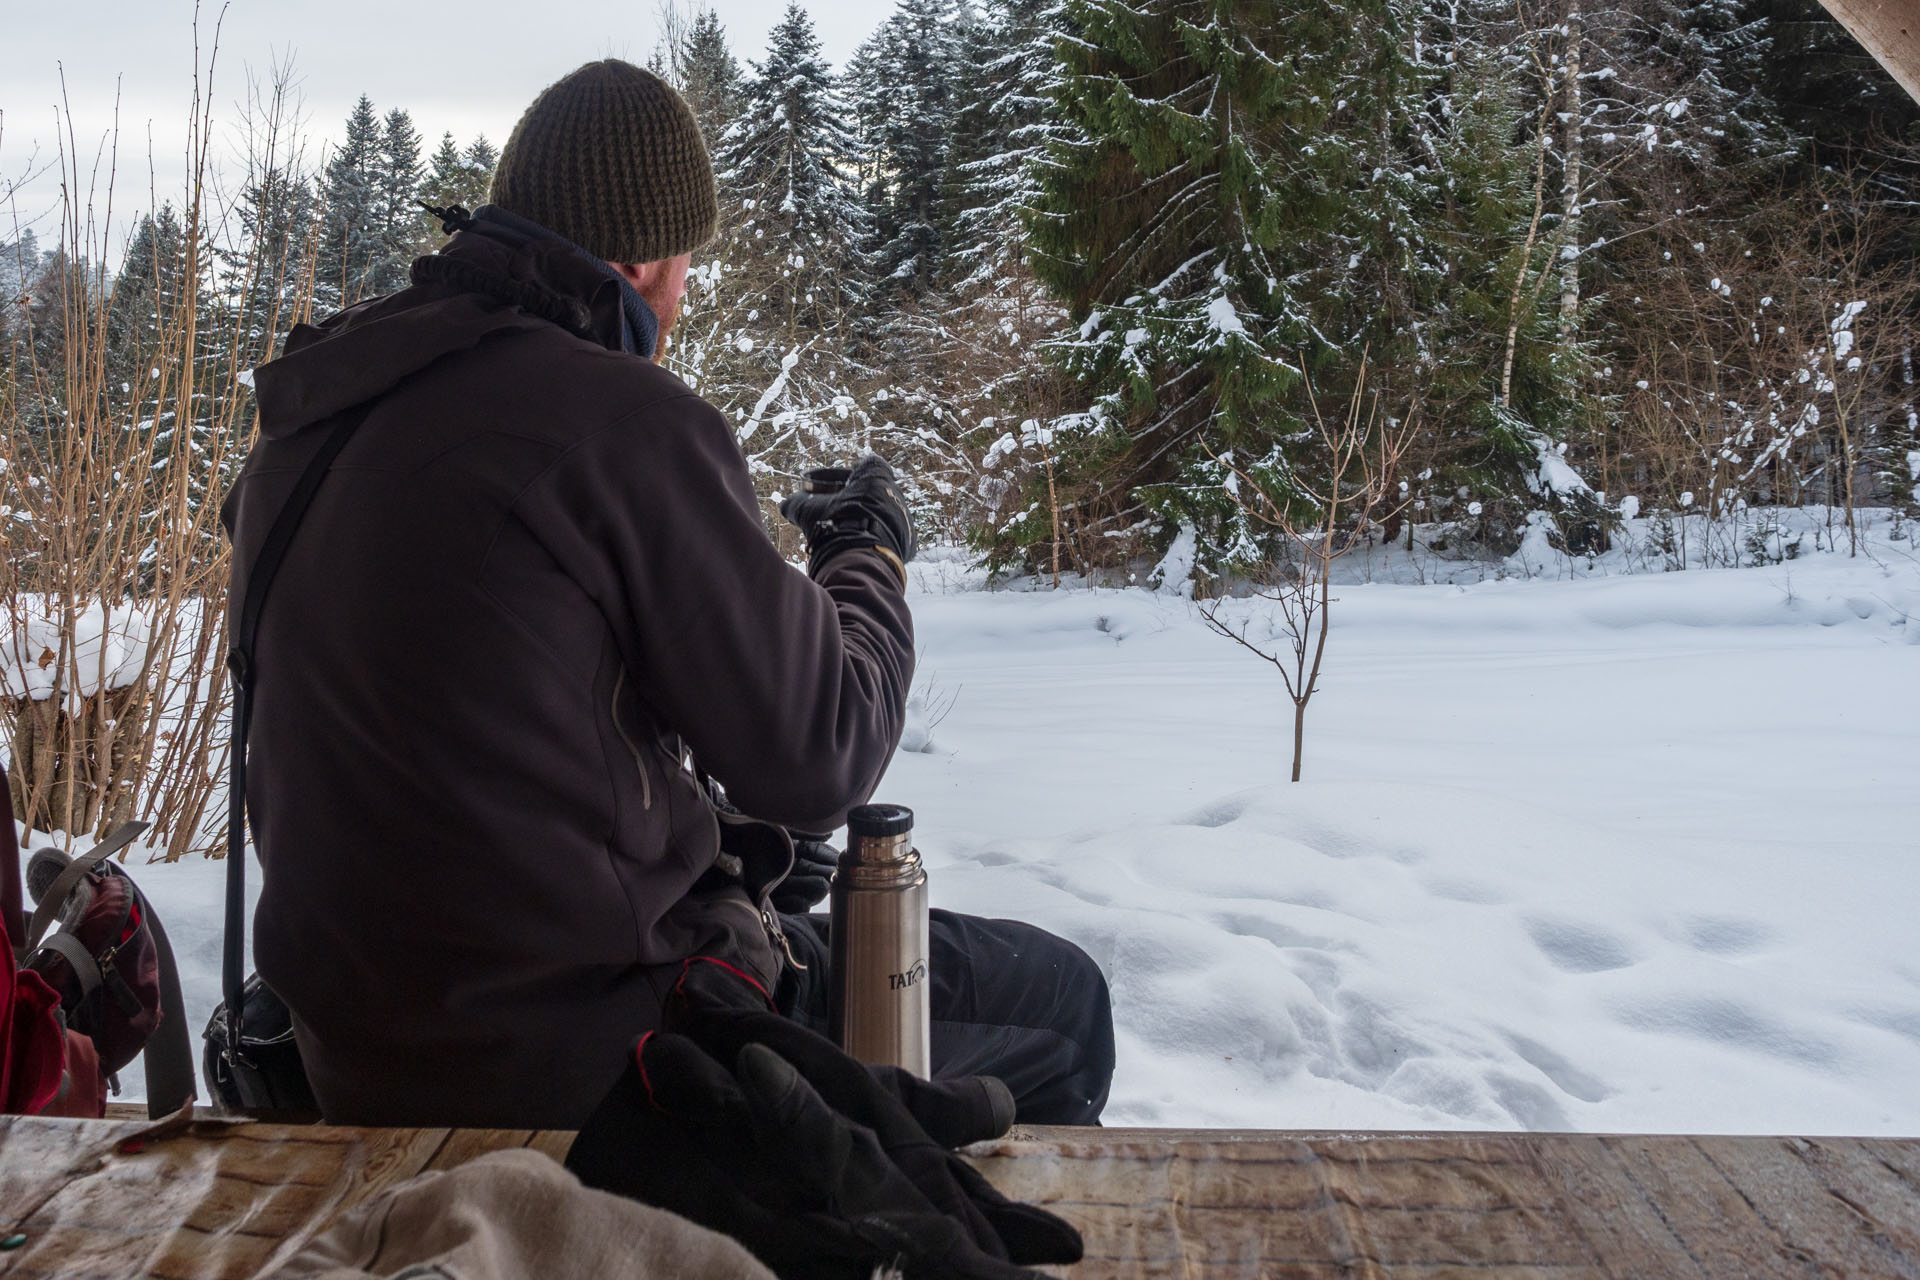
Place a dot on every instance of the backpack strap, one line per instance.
(169, 1053)
(85, 967)
(56, 893)
(13, 921)
(240, 663)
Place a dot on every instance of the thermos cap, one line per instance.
(825, 480)
(877, 821)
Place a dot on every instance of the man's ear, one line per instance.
(641, 275)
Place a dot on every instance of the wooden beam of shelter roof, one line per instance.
(1887, 29)
(201, 1199)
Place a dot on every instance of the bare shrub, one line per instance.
(1317, 522)
(124, 414)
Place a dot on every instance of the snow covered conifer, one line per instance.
(401, 220)
(988, 349)
(1191, 214)
(481, 157)
(350, 242)
(708, 77)
(371, 227)
(147, 292)
(1005, 119)
(268, 272)
(771, 326)
(458, 176)
(906, 85)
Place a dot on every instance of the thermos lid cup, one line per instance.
(826, 480)
(877, 821)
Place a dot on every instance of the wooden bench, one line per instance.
(202, 1199)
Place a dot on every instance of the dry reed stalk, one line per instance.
(116, 448)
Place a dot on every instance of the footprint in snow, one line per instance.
(1346, 845)
(1470, 891)
(1902, 1022)
(1055, 879)
(1371, 1043)
(1578, 948)
(1730, 1022)
(1528, 1103)
(1727, 935)
(1219, 814)
(1246, 925)
(1566, 1077)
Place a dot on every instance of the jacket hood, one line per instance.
(486, 281)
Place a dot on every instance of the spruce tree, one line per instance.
(1005, 119)
(455, 177)
(770, 331)
(1191, 215)
(351, 249)
(709, 77)
(1239, 204)
(446, 174)
(906, 77)
(19, 262)
(482, 156)
(401, 220)
(987, 355)
(267, 273)
(147, 291)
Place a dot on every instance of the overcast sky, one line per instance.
(469, 67)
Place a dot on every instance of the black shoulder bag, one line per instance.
(251, 1061)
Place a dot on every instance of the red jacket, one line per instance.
(534, 585)
(33, 1047)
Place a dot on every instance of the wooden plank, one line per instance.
(1713, 1222)
(38, 1157)
(1788, 1193)
(1594, 1210)
(553, 1142)
(218, 1200)
(1469, 1206)
(1901, 1157)
(1887, 29)
(1878, 1196)
(463, 1145)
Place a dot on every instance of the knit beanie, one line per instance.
(611, 158)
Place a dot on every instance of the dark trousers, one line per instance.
(1008, 1000)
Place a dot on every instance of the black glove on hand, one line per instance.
(756, 1153)
(806, 885)
(915, 1121)
(867, 512)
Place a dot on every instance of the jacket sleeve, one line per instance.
(791, 693)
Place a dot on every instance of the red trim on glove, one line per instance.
(640, 1061)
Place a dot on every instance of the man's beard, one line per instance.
(665, 310)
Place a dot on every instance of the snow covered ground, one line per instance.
(1626, 853)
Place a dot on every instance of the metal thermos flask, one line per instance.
(880, 942)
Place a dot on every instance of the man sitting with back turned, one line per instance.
(531, 605)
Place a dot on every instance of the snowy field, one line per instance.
(1622, 853)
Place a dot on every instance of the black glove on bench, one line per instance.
(756, 1153)
(818, 1165)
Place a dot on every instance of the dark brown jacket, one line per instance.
(534, 586)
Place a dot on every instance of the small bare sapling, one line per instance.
(1317, 521)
